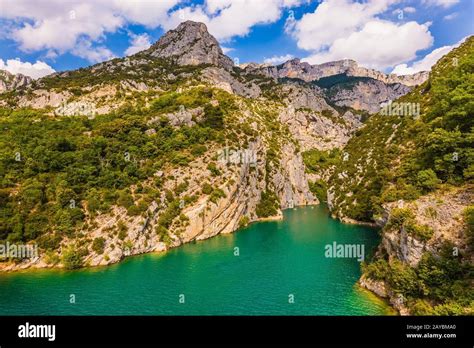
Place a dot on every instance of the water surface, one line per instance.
(278, 261)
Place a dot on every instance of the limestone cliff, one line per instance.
(11, 82)
(296, 69)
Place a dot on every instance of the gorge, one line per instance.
(122, 158)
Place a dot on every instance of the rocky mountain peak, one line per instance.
(9, 81)
(191, 44)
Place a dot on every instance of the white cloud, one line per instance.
(275, 60)
(334, 19)
(379, 44)
(151, 13)
(226, 19)
(451, 16)
(55, 27)
(359, 34)
(441, 3)
(426, 63)
(61, 26)
(139, 43)
(36, 70)
(227, 50)
(84, 49)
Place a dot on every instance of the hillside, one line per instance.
(412, 173)
(142, 154)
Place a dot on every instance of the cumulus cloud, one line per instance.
(359, 34)
(86, 50)
(57, 26)
(35, 71)
(379, 44)
(76, 25)
(334, 19)
(426, 63)
(139, 43)
(275, 60)
(226, 19)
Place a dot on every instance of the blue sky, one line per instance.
(38, 37)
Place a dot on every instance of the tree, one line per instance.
(98, 245)
(427, 179)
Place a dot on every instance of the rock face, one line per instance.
(9, 82)
(183, 117)
(313, 122)
(314, 130)
(221, 78)
(367, 95)
(440, 212)
(191, 44)
(304, 71)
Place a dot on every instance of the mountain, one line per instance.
(151, 157)
(9, 82)
(191, 44)
(294, 68)
(176, 144)
(344, 82)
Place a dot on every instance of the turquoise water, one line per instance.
(277, 259)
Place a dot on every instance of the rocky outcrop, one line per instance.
(222, 79)
(41, 98)
(377, 287)
(296, 69)
(191, 44)
(367, 95)
(441, 212)
(185, 117)
(313, 122)
(11, 82)
(315, 130)
(305, 97)
(290, 181)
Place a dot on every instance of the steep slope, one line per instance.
(411, 172)
(360, 93)
(191, 44)
(344, 82)
(151, 159)
(9, 82)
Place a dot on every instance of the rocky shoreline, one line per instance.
(38, 263)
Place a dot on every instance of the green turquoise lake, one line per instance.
(281, 269)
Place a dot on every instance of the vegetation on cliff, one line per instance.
(404, 157)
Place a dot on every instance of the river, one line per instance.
(268, 268)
